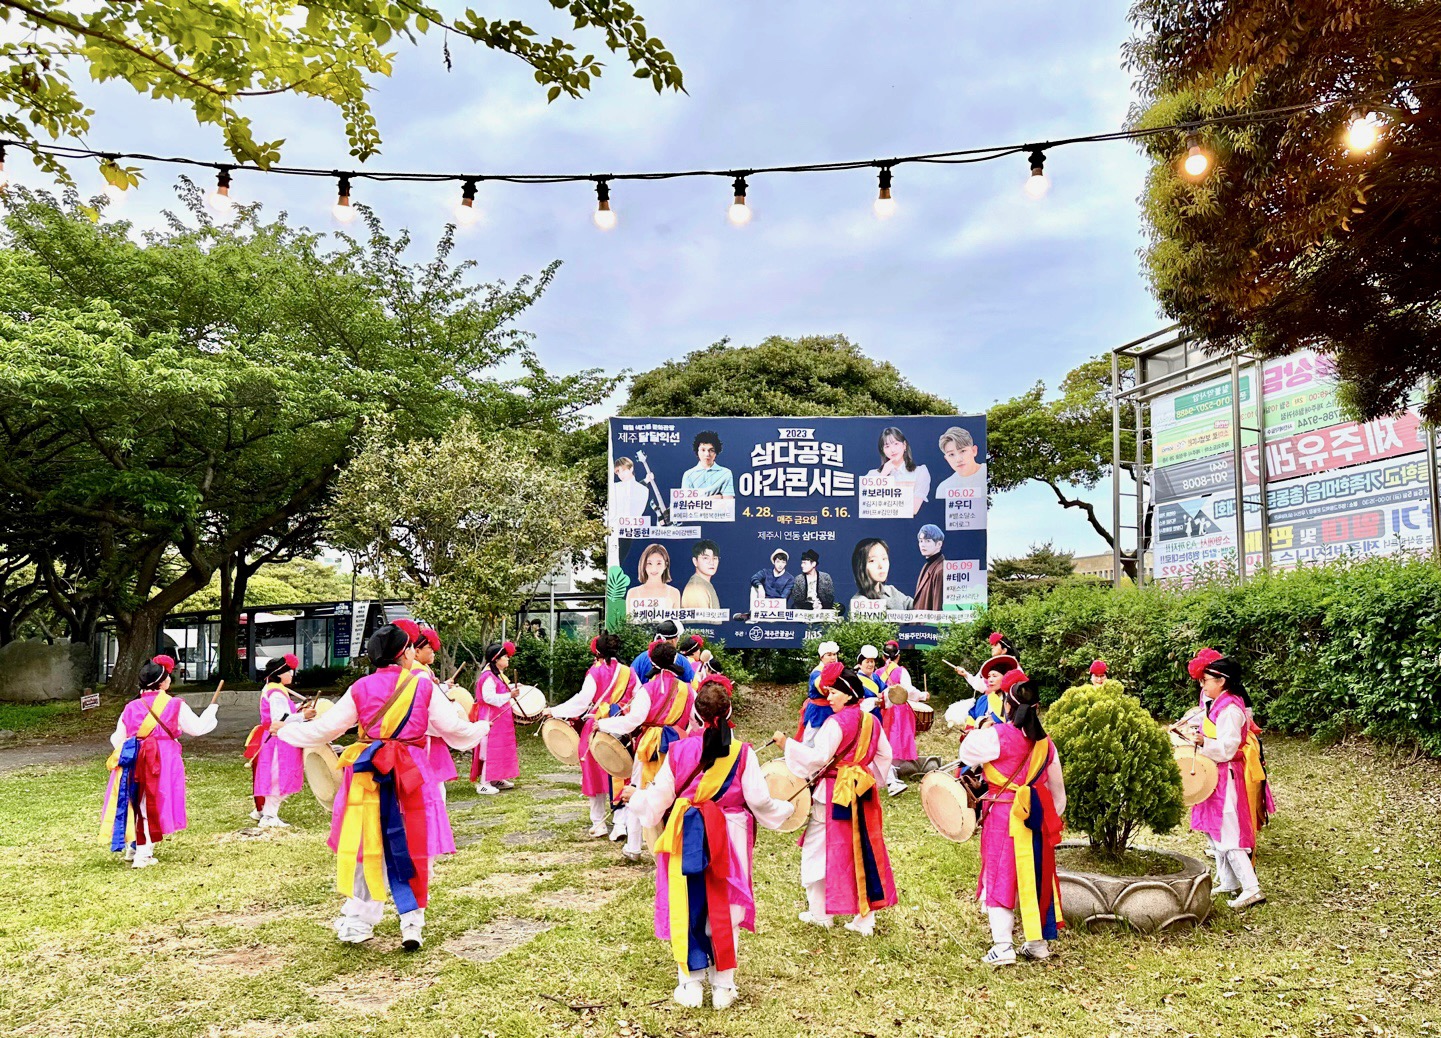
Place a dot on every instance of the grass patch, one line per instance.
(1131, 863)
(228, 935)
(60, 719)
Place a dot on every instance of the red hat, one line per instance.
(891, 649)
(167, 662)
(1200, 662)
(509, 648)
(721, 680)
(996, 637)
(1098, 667)
(410, 628)
(431, 635)
(594, 646)
(829, 673)
(278, 665)
(1012, 679)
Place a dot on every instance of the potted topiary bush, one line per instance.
(1121, 777)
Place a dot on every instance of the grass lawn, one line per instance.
(536, 930)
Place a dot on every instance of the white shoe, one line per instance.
(410, 936)
(629, 855)
(144, 861)
(273, 822)
(1246, 900)
(1000, 955)
(1036, 950)
(485, 789)
(354, 931)
(617, 831)
(863, 925)
(689, 994)
(504, 784)
(723, 997)
(806, 917)
(897, 788)
(598, 831)
(255, 815)
(130, 852)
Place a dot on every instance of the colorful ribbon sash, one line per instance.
(1035, 830)
(698, 871)
(655, 740)
(117, 820)
(853, 799)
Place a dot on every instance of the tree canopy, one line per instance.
(215, 58)
(1291, 241)
(170, 404)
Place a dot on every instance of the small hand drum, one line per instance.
(925, 717)
(897, 694)
(561, 740)
(1198, 775)
(527, 704)
(322, 773)
(948, 806)
(610, 753)
(462, 698)
(786, 785)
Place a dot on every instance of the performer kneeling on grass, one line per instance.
(279, 769)
(1242, 802)
(1020, 824)
(389, 818)
(845, 868)
(497, 762)
(704, 857)
(606, 691)
(145, 799)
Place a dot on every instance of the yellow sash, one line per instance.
(360, 835)
(670, 842)
(1027, 882)
(613, 694)
(648, 747)
(854, 781)
(147, 725)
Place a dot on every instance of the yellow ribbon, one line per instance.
(1027, 888)
(614, 694)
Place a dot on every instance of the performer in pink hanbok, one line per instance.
(669, 705)
(278, 766)
(1020, 823)
(497, 761)
(899, 718)
(442, 762)
(389, 819)
(845, 868)
(145, 798)
(606, 691)
(714, 791)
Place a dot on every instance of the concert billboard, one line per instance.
(758, 530)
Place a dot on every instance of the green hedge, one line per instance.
(1350, 647)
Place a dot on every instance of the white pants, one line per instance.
(813, 869)
(717, 978)
(1235, 870)
(270, 806)
(363, 908)
(598, 805)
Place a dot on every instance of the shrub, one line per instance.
(1119, 769)
(561, 671)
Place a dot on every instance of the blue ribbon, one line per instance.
(695, 859)
(125, 784)
(399, 866)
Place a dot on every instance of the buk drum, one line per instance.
(322, 773)
(786, 785)
(527, 704)
(949, 806)
(1198, 775)
(561, 740)
(611, 754)
(925, 717)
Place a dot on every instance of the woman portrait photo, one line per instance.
(653, 572)
(871, 565)
(897, 462)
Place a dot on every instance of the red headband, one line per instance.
(829, 673)
(723, 681)
(1099, 667)
(168, 662)
(996, 637)
(594, 642)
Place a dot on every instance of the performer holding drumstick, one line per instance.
(497, 760)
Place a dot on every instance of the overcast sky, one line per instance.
(972, 290)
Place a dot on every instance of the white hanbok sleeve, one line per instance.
(118, 737)
(808, 761)
(1230, 727)
(202, 723)
(649, 804)
(325, 728)
(881, 762)
(578, 703)
(1056, 783)
(449, 722)
(279, 707)
(635, 714)
(978, 684)
(770, 812)
(980, 746)
(494, 691)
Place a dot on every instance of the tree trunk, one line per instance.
(229, 638)
(136, 633)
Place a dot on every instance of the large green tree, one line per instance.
(1292, 241)
(170, 405)
(217, 58)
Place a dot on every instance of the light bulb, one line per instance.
(1197, 162)
(219, 200)
(466, 214)
(604, 215)
(1362, 133)
(342, 210)
(885, 205)
(739, 214)
(1037, 184)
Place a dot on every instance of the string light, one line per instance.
(1037, 184)
(466, 214)
(885, 205)
(219, 199)
(342, 208)
(739, 213)
(1363, 132)
(1197, 162)
(604, 215)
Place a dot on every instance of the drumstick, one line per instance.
(455, 674)
(216, 696)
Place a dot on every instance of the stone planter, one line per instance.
(1147, 904)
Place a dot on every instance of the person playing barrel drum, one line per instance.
(1020, 823)
(713, 789)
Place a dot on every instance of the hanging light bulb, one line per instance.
(1197, 162)
(739, 213)
(1037, 184)
(1363, 132)
(885, 205)
(604, 215)
(342, 209)
(219, 199)
(4, 174)
(466, 214)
